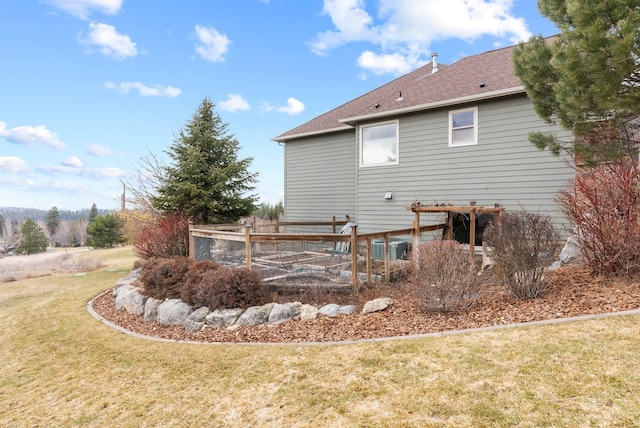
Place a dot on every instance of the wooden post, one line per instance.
(369, 263)
(247, 245)
(472, 231)
(449, 234)
(386, 257)
(333, 219)
(192, 247)
(416, 230)
(278, 224)
(354, 256)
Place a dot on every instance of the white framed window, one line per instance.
(463, 127)
(379, 144)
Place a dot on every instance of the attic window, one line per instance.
(379, 144)
(463, 127)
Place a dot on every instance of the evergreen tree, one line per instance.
(587, 78)
(206, 180)
(105, 231)
(93, 213)
(32, 240)
(53, 222)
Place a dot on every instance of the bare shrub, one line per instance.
(602, 204)
(164, 278)
(442, 277)
(524, 245)
(166, 236)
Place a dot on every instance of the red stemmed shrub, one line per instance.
(602, 204)
(167, 236)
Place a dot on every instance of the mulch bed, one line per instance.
(572, 291)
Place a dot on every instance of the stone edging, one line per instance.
(99, 317)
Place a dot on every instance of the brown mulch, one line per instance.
(572, 291)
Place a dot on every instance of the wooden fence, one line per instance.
(246, 234)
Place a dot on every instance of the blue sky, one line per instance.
(89, 87)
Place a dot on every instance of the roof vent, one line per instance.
(434, 62)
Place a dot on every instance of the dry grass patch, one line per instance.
(61, 367)
(14, 268)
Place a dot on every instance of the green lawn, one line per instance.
(61, 367)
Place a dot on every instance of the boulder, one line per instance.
(308, 312)
(173, 312)
(151, 309)
(196, 319)
(127, 280)
(281, 313)
(377, 305)
(255, 315)
(571, 251)
(130, 299)
(222, 317)
(347, 309)
(333, 309)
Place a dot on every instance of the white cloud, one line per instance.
(98, 150)
(405, 29)
(72, 162)
(109, 41)
(31, 136)
(144, 90)
(234, 102)
(12, 164)
(95, 173)
(83, 8)
(386, 63)
(212, 45)
(293, 107)
(110, 172)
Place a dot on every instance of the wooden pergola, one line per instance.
(472, 210)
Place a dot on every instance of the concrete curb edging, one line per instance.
(99, 317)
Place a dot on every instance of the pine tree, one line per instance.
(53, 222)
(32, 238)
(206, 180)
(93, 213)
(105, 231)
(587, 78)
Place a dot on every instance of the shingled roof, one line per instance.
(474, 78)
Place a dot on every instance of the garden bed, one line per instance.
(572, 292)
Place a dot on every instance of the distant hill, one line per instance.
(21, 214)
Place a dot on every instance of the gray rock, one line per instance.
(308, 312)
(347, 309)
(280, 313)
(130, 299)
(127, 280)
(222, 317)
(151, 309)
(555, 265)
(571, 251)
(255, 315)
(377, 305)
(173, 312)
(331, 310)
(196, 319)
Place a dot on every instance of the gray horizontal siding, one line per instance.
(503, 168)
(320, 177)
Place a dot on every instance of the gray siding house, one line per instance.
(440, 134)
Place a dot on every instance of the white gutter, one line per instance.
(437, 104)
(312, 133)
